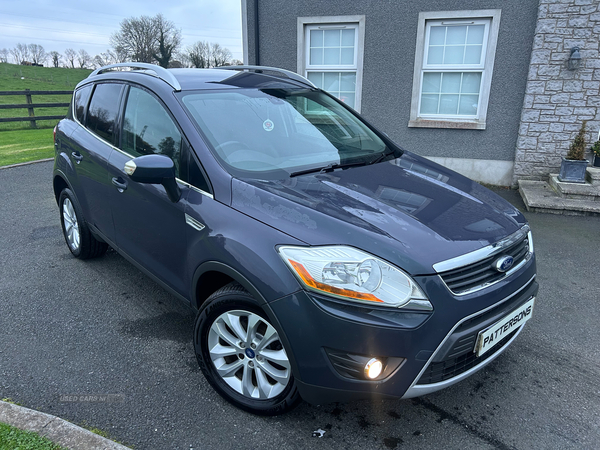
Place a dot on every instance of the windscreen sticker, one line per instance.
(268, 125)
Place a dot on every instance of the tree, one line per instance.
(55, 57)
(83, 59)
(204, 55)
(105, 58)
(199, 54)
(4, 55)
(20, 53)
(169, 40)
(219, 55)
(37, 53)
(70, 56)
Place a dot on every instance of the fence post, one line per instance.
(30, 108)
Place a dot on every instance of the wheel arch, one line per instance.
(213, 275)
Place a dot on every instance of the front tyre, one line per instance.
(81, 242)
(242, 355)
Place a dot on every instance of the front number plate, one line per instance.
(491, 336)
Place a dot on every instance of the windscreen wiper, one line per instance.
(382, 156)
(328, 168)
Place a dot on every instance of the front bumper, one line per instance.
(436, 348)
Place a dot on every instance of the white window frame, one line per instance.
(489, 17)
(305, 24)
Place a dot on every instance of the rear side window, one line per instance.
(103, 110)
(81, 99)
(148, 128)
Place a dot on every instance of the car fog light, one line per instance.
(373, 368)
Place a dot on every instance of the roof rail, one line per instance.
(259, 69)
(150, 69)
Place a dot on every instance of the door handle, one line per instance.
(120, 184)
(77, 156)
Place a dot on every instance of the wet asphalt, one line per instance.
(101, 345)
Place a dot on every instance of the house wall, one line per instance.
(389, 54)
(558, 100)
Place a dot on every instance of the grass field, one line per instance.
(12, 438)
(17, 146)
(18, 78)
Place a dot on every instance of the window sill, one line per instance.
(455, 124)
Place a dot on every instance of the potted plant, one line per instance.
(596, 152)
(572, 168)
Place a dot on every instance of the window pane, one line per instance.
(348, 82)
(331, 56)
(473, 54)
(149, 129)
(332, 38)
(316, 56)
(103, 110)
(429, 103)
(475, 34)
(331, 81)
(449, 104)
(316, 78)
(468, 105)
(316, 38)
(348, 56)
(471, 82)
(456, 35)
(348, 38)
(454, 54)
(81, 99)
(431, 82)
(435, 55)
(437, 35)
(451, 83)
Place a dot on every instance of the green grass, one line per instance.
(17, 146)
(18, 78)
(12, 438)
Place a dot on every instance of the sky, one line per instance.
(82, 24)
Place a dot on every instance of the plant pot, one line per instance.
(596, 161)
(572, 170)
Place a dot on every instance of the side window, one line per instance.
(148, 128)
(81, 99)
(103, 110)
(194, 175)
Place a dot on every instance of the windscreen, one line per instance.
(272, 133)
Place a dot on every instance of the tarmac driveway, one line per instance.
(99, 344)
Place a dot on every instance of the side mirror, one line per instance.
(154, 169)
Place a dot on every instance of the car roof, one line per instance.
(198, 79)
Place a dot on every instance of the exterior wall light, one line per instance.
(574, 61)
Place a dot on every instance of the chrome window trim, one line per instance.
(482, 253)
(184, 183)
(414, 391)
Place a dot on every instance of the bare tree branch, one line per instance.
(70, 56)
(37, 53)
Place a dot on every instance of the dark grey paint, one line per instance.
(389, 54)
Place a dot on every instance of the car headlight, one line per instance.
(354, 275)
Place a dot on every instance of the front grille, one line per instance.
(452, 367)
(483, 273)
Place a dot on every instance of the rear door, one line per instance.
(91, 147)
(149, 227)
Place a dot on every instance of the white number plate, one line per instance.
(490, 337)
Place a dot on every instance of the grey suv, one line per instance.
(325, 262)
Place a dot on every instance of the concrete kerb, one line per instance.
(57, 430)
(26, 163)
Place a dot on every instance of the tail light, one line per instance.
(54, 134)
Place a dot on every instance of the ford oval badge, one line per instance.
(504, 263)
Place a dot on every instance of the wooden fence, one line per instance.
(30, 106)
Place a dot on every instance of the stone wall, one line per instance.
(558, 100)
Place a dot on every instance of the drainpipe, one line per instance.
(256, 46)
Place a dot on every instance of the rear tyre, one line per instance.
(79, 239)
(241, 353)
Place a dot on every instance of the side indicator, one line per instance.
(194, 223)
